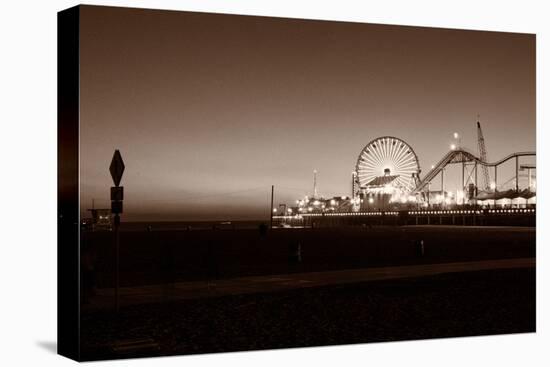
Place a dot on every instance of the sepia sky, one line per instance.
(209, 110)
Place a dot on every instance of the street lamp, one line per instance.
(458, 139)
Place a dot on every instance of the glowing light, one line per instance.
(493, 185)
(333, 202)
(289, 210)
(455, 135)
(433, 166)
(387, 189)
(275, 210)
(453, 146)
(371, 200)
(310, 209)
(316, 202)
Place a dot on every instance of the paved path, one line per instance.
(271, 283)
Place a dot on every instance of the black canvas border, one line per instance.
(68, 192)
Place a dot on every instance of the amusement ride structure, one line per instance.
(387, 177)
(391, 158)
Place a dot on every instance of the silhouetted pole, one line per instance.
(314, 183)
(117, 195)
(117, 261)
(271, 211)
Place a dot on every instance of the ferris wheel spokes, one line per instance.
(388, 156)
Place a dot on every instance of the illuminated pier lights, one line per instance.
(387, 178)
(320, 205)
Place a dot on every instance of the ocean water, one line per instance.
(190, 225)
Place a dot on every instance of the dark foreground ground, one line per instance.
(449, 305)
(177, 255)
(446, 305)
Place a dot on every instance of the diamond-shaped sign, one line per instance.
(117, 167)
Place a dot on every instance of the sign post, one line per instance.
(117, 195)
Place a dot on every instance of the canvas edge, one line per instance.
(68, 212)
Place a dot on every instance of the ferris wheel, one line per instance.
(388, 156)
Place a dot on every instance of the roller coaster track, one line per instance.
(460, 156)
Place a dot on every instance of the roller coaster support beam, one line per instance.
(517, 174)
(475, 175)
(495, 197)
(442, 182)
